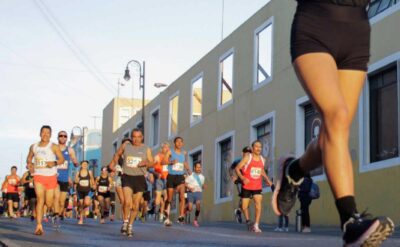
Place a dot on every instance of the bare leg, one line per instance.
(258, 207)
(120, 194)
(40, 197)
(135, 206)
(128, 202)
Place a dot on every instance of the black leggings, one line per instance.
(341, 31)
(305, 212)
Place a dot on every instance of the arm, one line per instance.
(92, 181)
(165, 161)
(60, 157)
(265, 176)
(73, 157)
(77, 177)
(116, 157)
(149, 162)
(23, 180)
(30, 157)
(238, 168)
(110, 182)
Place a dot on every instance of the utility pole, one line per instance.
(94, 120)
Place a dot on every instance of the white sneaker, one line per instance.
(278, 229)
(256, 229)
(167, 222)
(306, 230)
(286, 229)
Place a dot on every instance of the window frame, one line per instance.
(253, 136)
(195, 79)
(300, 133)
(115, 141)
(126, 132)
(258, 30)
(217, 169)
(151, 136)
(170, 136)
(226, 55)
(363, 116)
(193, 151)
(385, 13)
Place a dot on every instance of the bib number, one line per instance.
(31, 185)
(12, 181)
(178, 167)
(84, 183)
(255, 172)
(132, 161)
(164, 168)
(40, 163)
(103, 189)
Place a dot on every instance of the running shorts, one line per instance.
(174, 181)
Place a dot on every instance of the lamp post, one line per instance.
(127, 77)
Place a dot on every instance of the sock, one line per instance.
(295, 171)
(346, 207)
(197, 213)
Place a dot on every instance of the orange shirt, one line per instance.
(158, 167)
(12, 184)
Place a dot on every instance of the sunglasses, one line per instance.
(65, 136)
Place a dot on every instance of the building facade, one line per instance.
(246, 89)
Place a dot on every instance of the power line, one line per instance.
(72, 46)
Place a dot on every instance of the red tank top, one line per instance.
(252, 172)
(159, 168)
(12, 182)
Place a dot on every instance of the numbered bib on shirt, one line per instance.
(132, 161)
(164, 168)
(63, 166)
(255, 172)
(31, 185)
(103, 189)
(178, 167)
(12, 181)
(40, 163)
(84, 183)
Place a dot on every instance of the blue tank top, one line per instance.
(63, 168)
(178, 168)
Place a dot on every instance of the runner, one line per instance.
(137, 158)
(195, 184)
(85, 182)
(146, 196)
(47, 156)
(177, 163)
(160, 174)
(236, 180)
(104, 183)
(12, 181)
(64, 181)
(112, 195)
(331, 67)
(27, 181)
(251, 170)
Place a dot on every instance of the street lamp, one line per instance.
(127, 77)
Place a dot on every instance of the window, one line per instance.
(195, 156)
(196, 99)
(139, 125)
(124, 115)
(115, 146)
(308, 125)
(224, 151)
(225, 85)
(126, 134)
(263, 129)
(378, 6)
(155, 129)
(263, 54)
(173, 115)
(380, 118)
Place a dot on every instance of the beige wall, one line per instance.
(278, 96)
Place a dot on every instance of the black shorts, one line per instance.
(112, 196)
(174, 181)
(146, 196)
(13, 197)
(341, 31)
(82, 194)
(249, 193)
(104, 195)
(136, 183)
(29, 194)
(64, 186)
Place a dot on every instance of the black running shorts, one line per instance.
(64, 186)
(12, 197)
(341, 31)
(249, 193)
(136, 183)
(174, 181)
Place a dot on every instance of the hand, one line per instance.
(142, 163)
(245, 181)
(50, 164)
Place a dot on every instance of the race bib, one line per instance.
(164, 168)
(12, 181)
(103, 189)
(178, 167)
(132, 161)
(31, 185)
(255, 172)
(84, 183)
(63, 166)
(40, 163)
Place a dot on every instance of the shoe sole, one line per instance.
(281, 173)
(382, 228)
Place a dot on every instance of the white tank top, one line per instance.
(41, 156)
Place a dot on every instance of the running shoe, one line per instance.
(124, 228)
(161, 218)
(167, 222)
(256, 229)
(129, 231)
(306, 230)
(361, 230)
(196, 223)
(278, 229)
(181, 220)
(285, 193)
(238, 216)
(249, 225)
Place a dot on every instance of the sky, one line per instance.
(60, 61)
